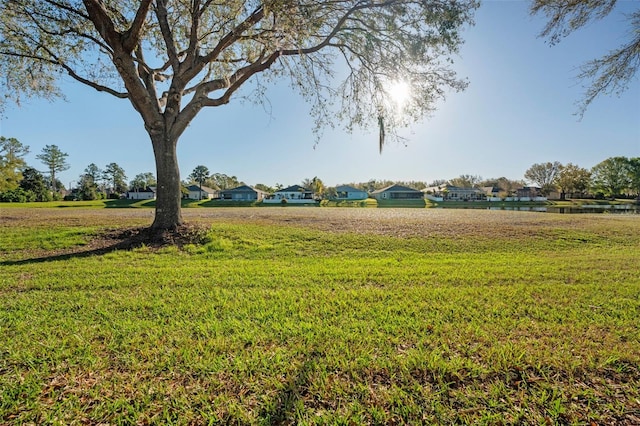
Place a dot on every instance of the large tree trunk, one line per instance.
(169, 191)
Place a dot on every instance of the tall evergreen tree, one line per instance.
(55, 160)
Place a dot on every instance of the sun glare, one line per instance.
(399, 92)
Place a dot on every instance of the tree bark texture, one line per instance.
(169, 191)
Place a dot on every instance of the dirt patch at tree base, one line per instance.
(130, 238)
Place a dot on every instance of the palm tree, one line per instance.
(199, 174)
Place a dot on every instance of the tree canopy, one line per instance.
(615, 175)
(142, 180)
(544, 175)
(610, 74)
(573, 179)
(12, 152)
(171, 59)
(199, 175)
(116, 177)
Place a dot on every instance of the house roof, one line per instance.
(294, 188)
(451, 188)
(348, 188)
(491, 189)
(147, 189)
(241, 188)
(196, 188)
(395, 188)
(244, 188)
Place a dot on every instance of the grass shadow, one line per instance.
(286, 403)
(67, 255)
(126, 239)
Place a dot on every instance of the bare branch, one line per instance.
(612, 73)
(567, 16)
(56, 61)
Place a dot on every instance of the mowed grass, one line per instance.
(309, 316)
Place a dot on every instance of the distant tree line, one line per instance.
(615, 177)
(20, 182)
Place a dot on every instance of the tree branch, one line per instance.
(56, 61)
(167, 35)
(67, 8)
(132, 36)
(103, 24)
(193, 35)
(255, 17)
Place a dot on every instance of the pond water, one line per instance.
(593, 208)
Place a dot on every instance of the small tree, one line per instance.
(222, 181)
(199, 174)
(87, 188)
(466, 181)
(116, 177)
(33, 183)
(11, 162)
(315, 185)
(612, 176)
(572, 179)
(142, 180)
(55, 160)
(544, 175)
(265, 188)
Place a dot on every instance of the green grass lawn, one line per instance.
(347, 316)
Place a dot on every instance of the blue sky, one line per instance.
(518, 110)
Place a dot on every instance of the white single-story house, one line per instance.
(148, 193)
(346, 192)
(397, 192)
(198, 193)
(295, 194)
(243, 193)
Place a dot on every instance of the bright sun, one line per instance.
(399, 92)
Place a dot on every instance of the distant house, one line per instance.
(295, 194)
(454, 193)
(397, 192)
(204, 193)
(148, 193)
(492, 193)
(528, 192)
(243, 193)
(346, 192)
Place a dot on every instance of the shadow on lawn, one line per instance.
(94, 249)
(287, 402)
(125, 239)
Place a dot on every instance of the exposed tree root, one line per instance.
(130, 238)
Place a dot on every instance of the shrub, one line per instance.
(17, 195)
